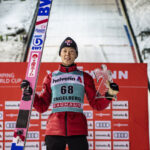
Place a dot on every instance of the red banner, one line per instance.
(122, 126)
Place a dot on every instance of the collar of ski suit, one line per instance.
(71, 68)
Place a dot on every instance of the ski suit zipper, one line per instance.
(66, 122)
(66, 112)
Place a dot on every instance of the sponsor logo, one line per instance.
(43, 10)
(103, 145)
(10, 125)
(103, 135)
(67, 104)
(102, 114)
(123, 135)
(1, 136)
(1, 115)
(60, 79)
(29, 145)
(43, 146)
(40, 30)
(37, 42)
(12, 105)
(90, 135)
(121, 145)
(7, 145)
(43, 125)
(91, 145)
(9, 135)
(33, 125)
(33, 64)
(33, 145)
(80, 68)
(1, 125)
(70, 78)
(90, 124)
(1, 146)
(35, 115)
(88, 114)
(120, 74)
(102, 124)
(79, 79)
(33, 135)
(120, 104)
(45, 115)
(120, 125)
(11, 115)
(120, 115)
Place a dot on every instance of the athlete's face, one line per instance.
(68, 55)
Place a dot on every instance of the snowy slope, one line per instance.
(15, 16)
(96, 26)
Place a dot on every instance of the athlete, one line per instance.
(64, 89)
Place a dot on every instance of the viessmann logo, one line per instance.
(120, 74)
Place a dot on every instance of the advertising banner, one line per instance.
(123, 125)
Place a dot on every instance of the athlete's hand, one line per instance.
(25, 86)
(113, 90)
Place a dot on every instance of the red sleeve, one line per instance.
(95, 103)
(42, 101)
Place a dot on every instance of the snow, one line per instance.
(139, 12)
(15, 15)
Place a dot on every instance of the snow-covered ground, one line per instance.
(15, 20)
(139, 14)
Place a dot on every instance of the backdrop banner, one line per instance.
(121, 126)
